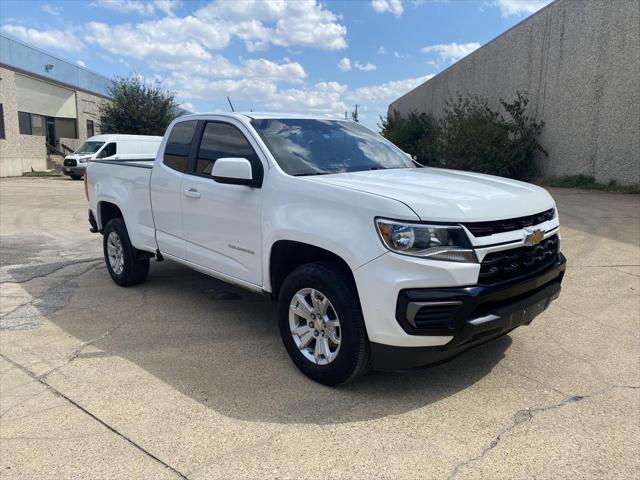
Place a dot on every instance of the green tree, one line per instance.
(137, 107)
(414, 133)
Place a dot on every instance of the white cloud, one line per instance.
(365, 67)
(520, 7)
(164, 46)
(126, 6)
(304, 23)
(81, 63)
(386, 92)
(167, 7)
(397, 54)
(54, 10)
(58, 39)
(189, 107)
(451, 52)
(145, 8)
(267, 70)
(329, 99)
(344, 64)
(391, 6)
(381, 51)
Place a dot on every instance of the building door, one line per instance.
(51, 131)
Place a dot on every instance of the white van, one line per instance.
(109, 147)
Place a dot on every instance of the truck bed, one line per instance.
(125, 183)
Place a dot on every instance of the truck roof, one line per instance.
(262, 115)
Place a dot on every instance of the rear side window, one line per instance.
(221, 140)
(176, 153)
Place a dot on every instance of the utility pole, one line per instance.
(354, 114)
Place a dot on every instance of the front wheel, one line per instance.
(123, 261)
(321, 324)
(75, 177)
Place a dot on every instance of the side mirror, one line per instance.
(234, 171)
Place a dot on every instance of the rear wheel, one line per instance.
(125, 264)
(321, 324)
(76, 177)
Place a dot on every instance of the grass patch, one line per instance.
(588, 182)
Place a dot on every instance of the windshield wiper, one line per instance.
(309, 174)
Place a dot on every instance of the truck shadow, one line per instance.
(220, 346)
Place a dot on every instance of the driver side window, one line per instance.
(108, 151)
(220, 140)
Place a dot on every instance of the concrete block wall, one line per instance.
(580, 62)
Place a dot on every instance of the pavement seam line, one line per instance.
(97, 419)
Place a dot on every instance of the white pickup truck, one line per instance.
(375, 262)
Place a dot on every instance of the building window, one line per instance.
(90, 132)
(2, 122)
(31, 124)
(24, 123)
(37, 125)
(66, 128)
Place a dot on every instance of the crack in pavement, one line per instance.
(56, 297)
(521, 416)
(20, 274)
(78, 350)
(95, 417)
(524, 416)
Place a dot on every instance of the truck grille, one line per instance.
(70, 162)
(484, 229)
(505, 265)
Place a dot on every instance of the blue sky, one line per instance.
(279, 55)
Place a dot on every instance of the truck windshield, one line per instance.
(89, 147)
(316, 147)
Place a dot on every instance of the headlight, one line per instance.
(436, 242)
(83, 160)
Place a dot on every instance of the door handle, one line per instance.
(192, 192)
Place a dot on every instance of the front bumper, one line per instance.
(78, 170)
(482, 314)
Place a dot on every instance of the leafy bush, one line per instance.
(415, 134)
(137, 107)
(472, 136)
(476, 138)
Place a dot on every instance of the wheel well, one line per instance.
(287, 255)
(108, 211)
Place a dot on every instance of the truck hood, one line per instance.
(447, 195)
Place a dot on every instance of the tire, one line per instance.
(345, 362)
(76, 177)
(128, 268)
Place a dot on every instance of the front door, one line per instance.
(222, 222)
(51, 131)
(166, 189)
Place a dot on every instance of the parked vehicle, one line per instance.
(375, 262)
(112, 147)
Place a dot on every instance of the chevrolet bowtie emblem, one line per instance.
(533, 237)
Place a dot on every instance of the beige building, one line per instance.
(48, 107)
